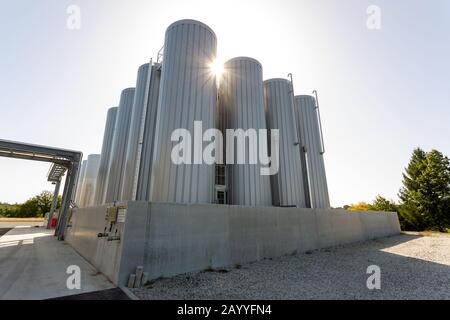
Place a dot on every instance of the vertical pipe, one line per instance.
(54, 203)
(67, 197)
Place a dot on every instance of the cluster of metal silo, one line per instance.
(138, 144)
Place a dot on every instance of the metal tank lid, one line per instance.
(243, 58)
(304, 96)
(277, 80)
(129, 89)
(192, 21)
(143, 66)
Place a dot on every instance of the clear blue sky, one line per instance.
(382, 92)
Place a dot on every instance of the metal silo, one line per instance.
(188, 93)
(134, 132)
(312, 148)
(241, 99)
(90, 176)
(142, 127)
(287, 185)
(99, 196)
(119, 147)
(80, 182)
(142, 192)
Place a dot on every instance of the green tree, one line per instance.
(383, 204)
(37, 206)
(425, 194)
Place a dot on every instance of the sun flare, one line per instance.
(216, 68)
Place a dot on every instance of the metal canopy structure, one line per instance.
(63, 161)
(56, 172)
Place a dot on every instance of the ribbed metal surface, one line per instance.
(308, 126)
(80, 182)
(187, 94)
(119, 147)
(99, 197)
(139, 105)
(90, 176)
(242, 99)
(148, 138)
(287, 185)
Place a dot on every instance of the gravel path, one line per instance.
(412, 267)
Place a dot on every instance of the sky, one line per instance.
(382, 92)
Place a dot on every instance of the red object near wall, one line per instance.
(54, 221)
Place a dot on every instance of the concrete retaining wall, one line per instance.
(170, 239)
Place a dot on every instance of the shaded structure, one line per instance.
(63, 158)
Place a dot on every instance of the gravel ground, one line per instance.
(412, 267)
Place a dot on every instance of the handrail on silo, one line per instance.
(320, 122)
(137, 168)
(160, 55)
(297, 138)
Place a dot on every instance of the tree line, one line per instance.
(35, 207)
(424, 197)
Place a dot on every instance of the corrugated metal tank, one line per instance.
(99, 196)
(287, 185)
(188, 93)
(242, 100)
(80, 182)
(119, 147)
(148, 137)
(309, 132)
(90, 176)
(139, 107)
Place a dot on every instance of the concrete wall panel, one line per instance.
(170, 239)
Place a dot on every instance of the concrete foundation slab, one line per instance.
(33, 265)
